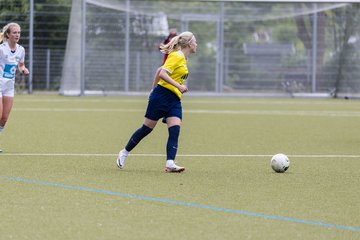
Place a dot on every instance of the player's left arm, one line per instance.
(23, 69)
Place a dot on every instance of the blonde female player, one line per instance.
(165, 100)
(12, 56)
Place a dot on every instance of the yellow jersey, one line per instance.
(176, 66)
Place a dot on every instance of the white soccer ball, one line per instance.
(280, 163)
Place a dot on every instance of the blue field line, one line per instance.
(208, 207)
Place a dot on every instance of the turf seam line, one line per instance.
(208, 207)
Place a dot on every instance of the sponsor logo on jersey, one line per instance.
(9, 71)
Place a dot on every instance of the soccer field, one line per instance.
(59, 180)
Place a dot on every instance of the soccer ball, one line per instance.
(280, 163)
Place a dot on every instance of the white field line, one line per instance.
(181, 155)
(205, 111)
(192, 101)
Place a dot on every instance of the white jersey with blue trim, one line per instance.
(9, 60)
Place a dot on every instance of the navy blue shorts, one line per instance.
(163, 103)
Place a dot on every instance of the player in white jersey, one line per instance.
(12, 56)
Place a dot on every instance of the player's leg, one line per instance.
(173, 124)
(140, 133)
(153, 113)
(1, 111)
(6, 104)
(135, 138)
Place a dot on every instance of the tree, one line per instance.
(14, 11)
(346, 52)
(305, 28)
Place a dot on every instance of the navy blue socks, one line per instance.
(171, 146)
(172, 143)
(137, 137)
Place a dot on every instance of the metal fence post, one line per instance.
(48, 64)
(31, 46)
(220, 50)
(83, 47)
(127, 46)
(314, 49)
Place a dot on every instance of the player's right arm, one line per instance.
(165, 76)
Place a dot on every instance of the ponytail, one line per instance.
(1, 37)
(173, 45)
(177, 42)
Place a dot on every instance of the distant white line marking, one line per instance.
(205, 111)
(240, 101)
(181, 155)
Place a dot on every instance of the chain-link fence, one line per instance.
(243, 47)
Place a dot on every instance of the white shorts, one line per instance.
(7, 88)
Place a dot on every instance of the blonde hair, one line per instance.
(4, 35)
(178, 42)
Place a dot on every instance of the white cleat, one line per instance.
(174, 169)
(120, 162)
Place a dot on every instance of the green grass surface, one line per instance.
(58, 178)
